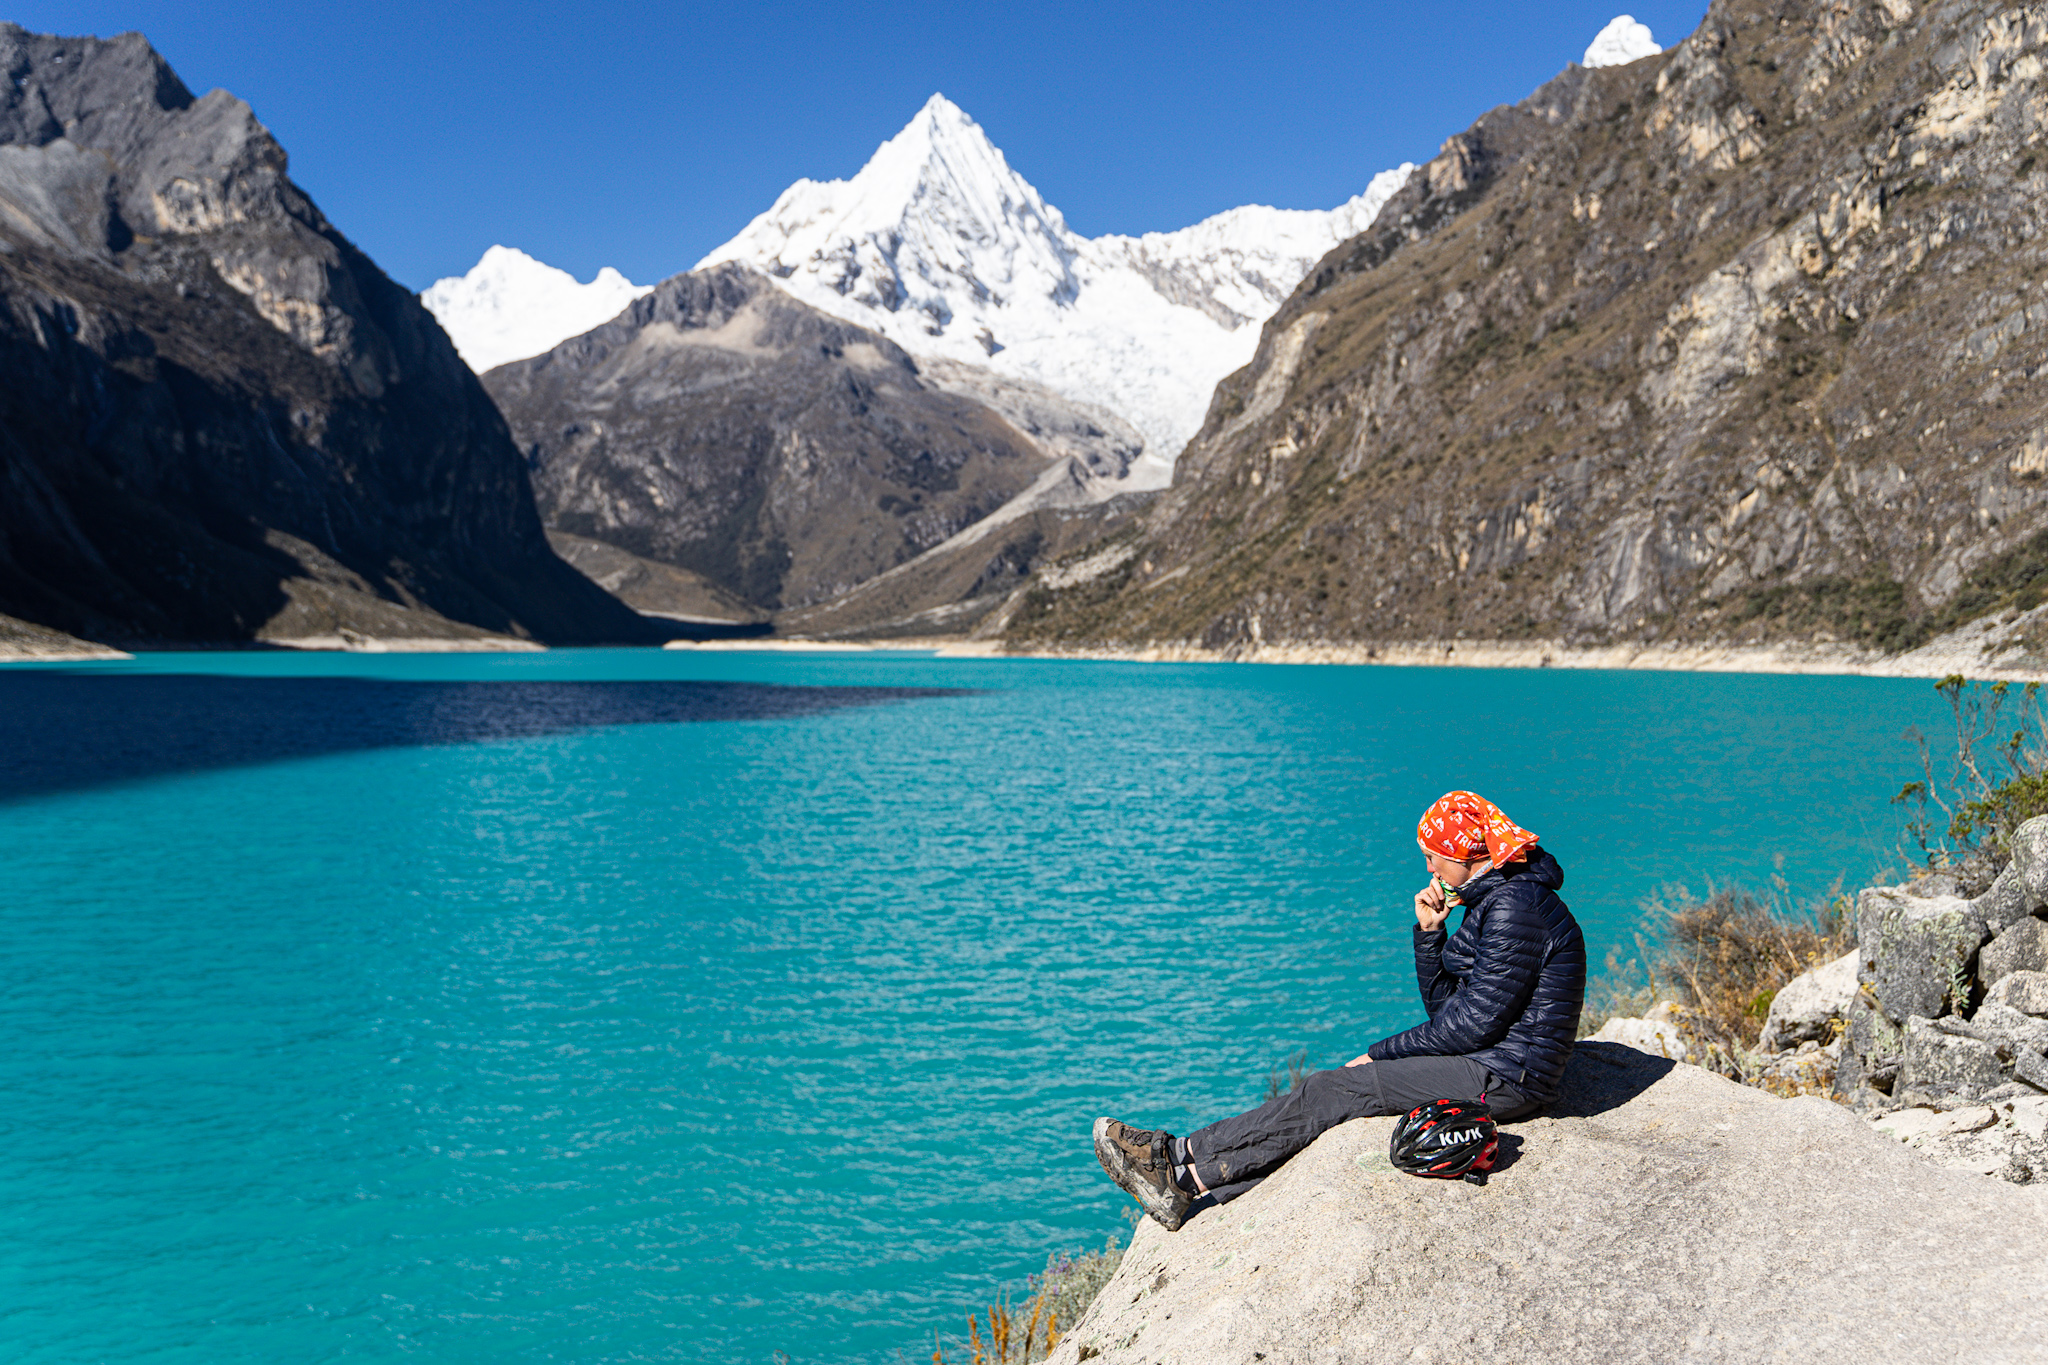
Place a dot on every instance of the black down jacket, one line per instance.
(1505, 990)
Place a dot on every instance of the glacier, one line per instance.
(510, 306)
(1623, 41)
(941, 246)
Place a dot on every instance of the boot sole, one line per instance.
(1157, 1205)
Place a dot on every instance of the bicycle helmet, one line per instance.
(1448, 1139)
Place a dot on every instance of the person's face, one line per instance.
(1448, 870)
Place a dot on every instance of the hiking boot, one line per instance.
(1142, 1163)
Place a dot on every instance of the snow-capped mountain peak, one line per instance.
(510, 306)
(938, 243)
(1623, 41)
(936, 206)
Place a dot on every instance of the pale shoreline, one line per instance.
(1990, 650)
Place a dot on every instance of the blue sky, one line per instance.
(643, 135)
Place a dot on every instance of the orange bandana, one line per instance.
(1468, 827)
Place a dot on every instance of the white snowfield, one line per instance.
(938, 244)
(1621, 42)
(510, 306)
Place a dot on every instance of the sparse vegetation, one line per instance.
(2016, 580)
(1962, 818)
(1056, 1299)
(1278, 1084)
(1721, 958)
(1869, 611)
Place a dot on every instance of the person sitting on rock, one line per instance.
(1503, 995)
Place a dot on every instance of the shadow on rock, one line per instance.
(1604, 1076)
(62, 730)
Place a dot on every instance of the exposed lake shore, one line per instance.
(2001, 647)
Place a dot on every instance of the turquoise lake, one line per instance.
(606, 1006)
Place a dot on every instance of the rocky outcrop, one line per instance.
(1740, 343)
(1657, 1212)
(1942, 1006)
(653, 588)
(1934, 1020)
(221, 421)
(20, 641)
(720, 426)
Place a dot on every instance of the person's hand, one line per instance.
(1359, 1061)
(1430, 909)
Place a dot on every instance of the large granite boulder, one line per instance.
(1809, 1004)
(2021, 948)
(1914, 953)
(2024, 991)
(1657, 1212)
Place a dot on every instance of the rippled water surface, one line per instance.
(617, 1006)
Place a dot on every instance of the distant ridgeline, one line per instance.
(1743, 342)
(220, 420)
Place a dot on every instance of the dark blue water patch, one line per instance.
(65, 730)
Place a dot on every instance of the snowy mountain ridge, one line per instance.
(510, 306)
(941, 246)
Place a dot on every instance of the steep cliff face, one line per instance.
(723, 427)
(1744, 341)
(220, 420)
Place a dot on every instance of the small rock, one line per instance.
(2021, 948)
(2003, 1026)
(1810, 1003)
(1934, 884)
(1944, 1066)
(1657, 1033)
(2029, 1116)
(2031, 1067)
(1912, 952)
(1921, 1122)
(2011, 1090)
(2023, 990)
(1874, 1047)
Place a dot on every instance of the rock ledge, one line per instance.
(1657, 1213)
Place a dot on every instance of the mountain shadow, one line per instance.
(62, 729)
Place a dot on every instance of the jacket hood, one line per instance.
(1538, 867)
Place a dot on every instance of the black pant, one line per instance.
(1235, 1154)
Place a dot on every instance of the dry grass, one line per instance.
(1721, 959)
(1726, 957)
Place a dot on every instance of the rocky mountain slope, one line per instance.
(721, 427)
(1743, 341)
(1657, 1212)
(220, 420)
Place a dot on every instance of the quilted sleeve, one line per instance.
(1437, 984)
(1478, 1012)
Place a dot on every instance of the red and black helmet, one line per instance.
(1448, 1139)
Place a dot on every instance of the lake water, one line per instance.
(607, 1006)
